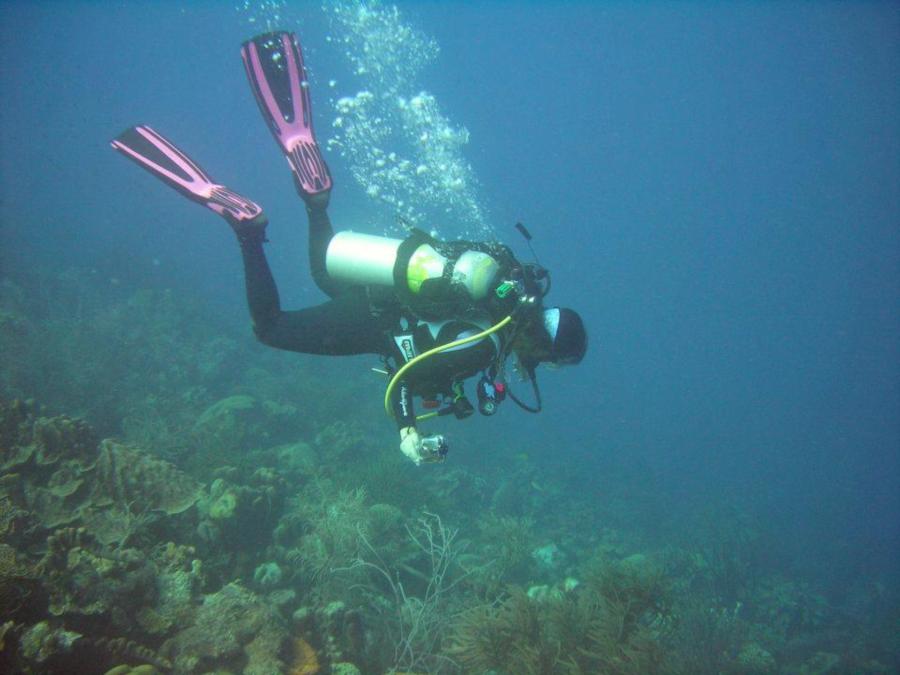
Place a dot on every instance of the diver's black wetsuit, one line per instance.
(347, 324)
(360, 320)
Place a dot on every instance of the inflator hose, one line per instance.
(431, 352)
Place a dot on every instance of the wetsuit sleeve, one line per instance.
(402, 404)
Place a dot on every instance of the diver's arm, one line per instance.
(410, 440)
(402, 404)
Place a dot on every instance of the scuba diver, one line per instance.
(436, 312)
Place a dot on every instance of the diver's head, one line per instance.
(555, 336)
(568, 339)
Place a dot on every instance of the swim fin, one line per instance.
(274, 65)
(152, 151)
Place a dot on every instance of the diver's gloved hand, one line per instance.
(411, 444)
(418, 449)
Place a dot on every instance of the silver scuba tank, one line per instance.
(362, 259)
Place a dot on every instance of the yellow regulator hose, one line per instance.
(431, 352)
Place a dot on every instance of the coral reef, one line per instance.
(304, 661)
(251, 522)
(54, 470)
(84, 578)
(41, 642)
(613, 622)
(231, 628)
(506, 556)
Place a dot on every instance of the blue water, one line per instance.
(715, 187)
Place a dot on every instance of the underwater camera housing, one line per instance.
(434, 448)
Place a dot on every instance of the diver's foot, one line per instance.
(250, 230)
(317, 201)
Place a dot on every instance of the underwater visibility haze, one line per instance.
(714, 488)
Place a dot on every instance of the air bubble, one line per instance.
(427, 179)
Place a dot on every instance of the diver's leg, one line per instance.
(262, 293)
(342, 326)
(320, 234)
(277, 77)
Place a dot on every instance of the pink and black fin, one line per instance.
(274, 65)
(155, 153)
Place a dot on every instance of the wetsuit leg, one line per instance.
(344, 325)
(262, 293)
(320, 234)
(339, 327)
